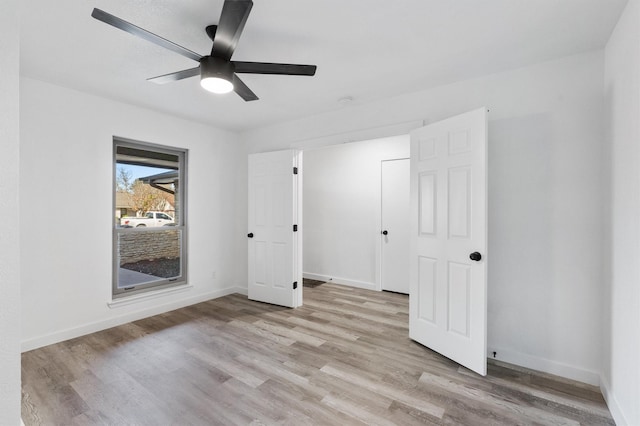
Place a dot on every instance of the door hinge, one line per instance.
(295, 285)
(295, 170)
(295, 228)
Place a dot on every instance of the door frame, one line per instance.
(298, 218)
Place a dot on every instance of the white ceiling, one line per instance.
(364, 49)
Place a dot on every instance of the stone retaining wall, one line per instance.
(136, 246)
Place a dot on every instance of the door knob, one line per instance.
(385, 232)
(475, 256)
(250, 235)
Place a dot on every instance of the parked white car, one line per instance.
(150, 219)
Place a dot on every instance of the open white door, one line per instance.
(448, 269)
(275, 275)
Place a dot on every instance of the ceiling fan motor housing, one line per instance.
(212, 67)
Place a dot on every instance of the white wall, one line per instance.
(545, 192)
(341, 210)
(9, 231)
(66, 212)
(621, 371)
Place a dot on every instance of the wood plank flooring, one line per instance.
(343, 358)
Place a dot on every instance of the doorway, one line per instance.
(342, 201)
(448, 198)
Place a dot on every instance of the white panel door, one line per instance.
(274, 261)
(448, 262)
(395, 226)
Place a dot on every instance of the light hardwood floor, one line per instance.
(344, 358)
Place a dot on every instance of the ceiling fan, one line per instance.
(218, 73)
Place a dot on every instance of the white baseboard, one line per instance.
(92, 327)
(545, 365)
(612, 402)
(241, 290)
(340, 281)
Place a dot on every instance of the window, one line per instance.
(149, 241)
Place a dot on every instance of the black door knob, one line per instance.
(385, 232)
(250, 235)
(475, 256)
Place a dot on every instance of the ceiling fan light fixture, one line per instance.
(216, 75)
(216, 85)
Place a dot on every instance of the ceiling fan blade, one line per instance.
(270, 68)
(175, 76)
(232, 19)
(241, 89)
(107, 18)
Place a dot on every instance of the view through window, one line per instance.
(149, 229)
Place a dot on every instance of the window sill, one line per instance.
(128, 300)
